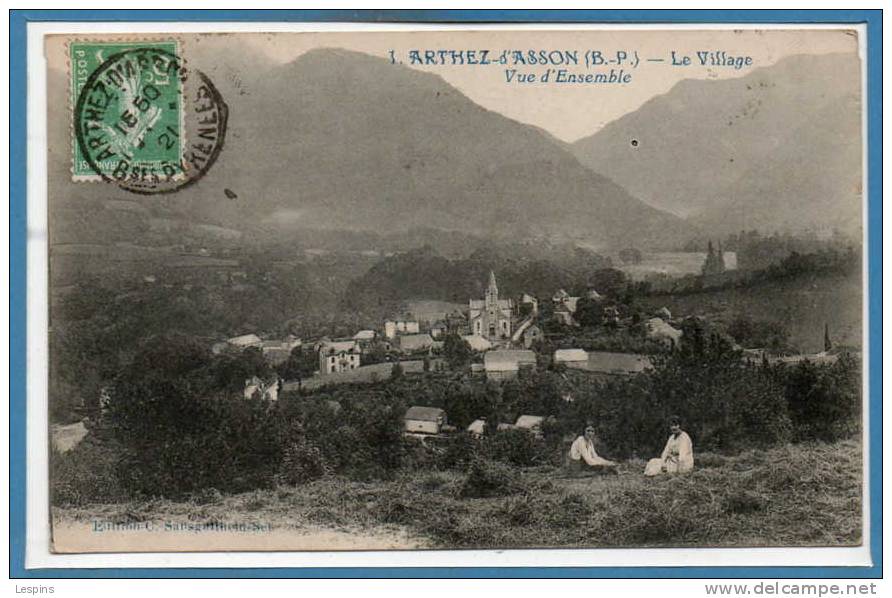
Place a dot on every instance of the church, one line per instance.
(491, 317)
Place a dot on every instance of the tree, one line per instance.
(301, 364)
(608, 281)
(396, 372)
(457, 351)
(589, 313)
(231, 370)
(824, 400)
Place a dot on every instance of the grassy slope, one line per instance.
(805, 495)
(803, 304)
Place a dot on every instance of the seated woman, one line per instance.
(677, 457)
(584, 459)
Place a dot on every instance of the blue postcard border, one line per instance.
(18, 233)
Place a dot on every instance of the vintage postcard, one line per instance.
(456, 289)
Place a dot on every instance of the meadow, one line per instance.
(795, 495)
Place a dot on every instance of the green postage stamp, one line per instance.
(128, 111)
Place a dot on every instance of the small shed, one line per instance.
(246, 340)
(364, 335)
(501, 365)
(570, 356)
(477, 342)
(477, 427)
(533, 423)
(424, 420)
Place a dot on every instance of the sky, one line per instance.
(568, 111)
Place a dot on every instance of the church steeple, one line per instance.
(492, 291)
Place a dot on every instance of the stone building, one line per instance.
(490, 317)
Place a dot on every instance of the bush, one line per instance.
(516, 447)
(302, 462)
(766, 334)
(488, 479)
(824, 400)
(85, 474)
(725, 404)
(460, 451)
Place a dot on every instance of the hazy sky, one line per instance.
(568, 111)
(572, 111)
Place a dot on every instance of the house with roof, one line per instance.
(477, 342)
(658, 330)
(267, 390)
(338, 356)
(244, 341)
(477, 427)
(531, 301)
(563, 300)
(527, 332)
(439, 329)
(415, 343)
(569, 356)
(424, 420)
(507, 364)
(609, 365)
(276, 352)
(532, 423)
(393, 328)
(364, 336)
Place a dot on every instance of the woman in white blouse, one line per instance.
(584, 457)
(677, 457)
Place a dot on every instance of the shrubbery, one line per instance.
(824, 400)
(517, 447)
(178, 427)
(86, 474)
(490, 478)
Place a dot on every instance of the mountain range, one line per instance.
(340, 140)
(343, 140)
(777, 149)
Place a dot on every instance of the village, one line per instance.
(502, 336)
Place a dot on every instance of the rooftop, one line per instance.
(427, 414)
(496, 361)
(570, 355)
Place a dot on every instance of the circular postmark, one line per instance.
(146, 123)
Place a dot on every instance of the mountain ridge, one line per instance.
(738, 124)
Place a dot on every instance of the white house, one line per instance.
(477, 342)
(394, 327)
(338, 356)
(477, 427)
(245, 341)
(562, 299)
(503, 365)
(657, 329)
(414, 343)
(267, 389)
(424, 420)
(533, 423)
(570, 356)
